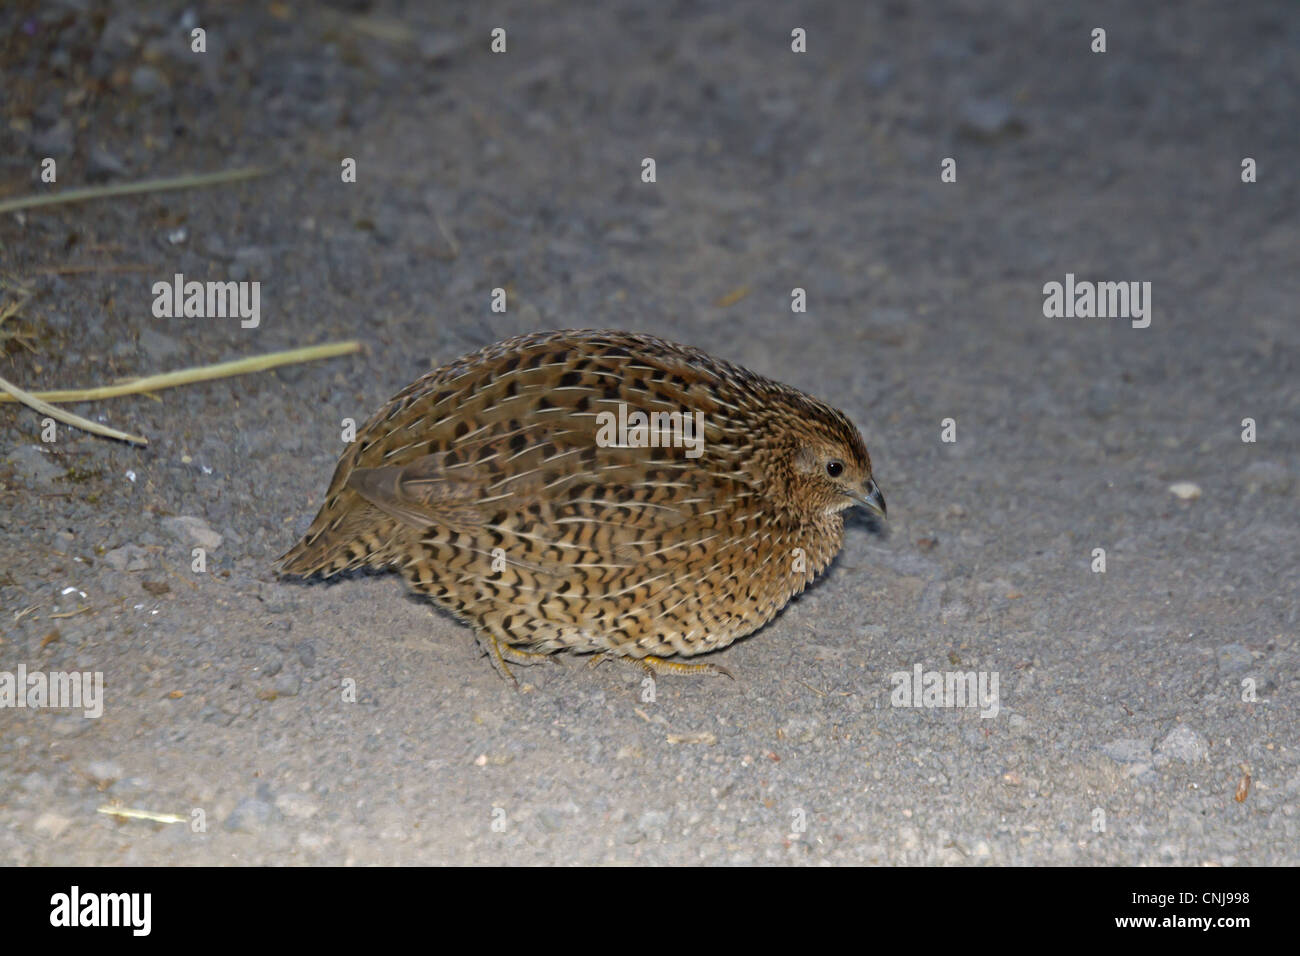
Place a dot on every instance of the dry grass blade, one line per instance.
(130, 813)
(202, 373)
(22, 295)
(128, 189)
(85, 424)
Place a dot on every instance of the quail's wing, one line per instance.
(421, 493)
(565, 490)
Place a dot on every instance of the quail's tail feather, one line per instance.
(357, 535)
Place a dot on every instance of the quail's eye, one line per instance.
(835, 468)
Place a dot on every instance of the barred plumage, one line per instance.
(492, 485)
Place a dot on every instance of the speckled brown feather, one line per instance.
(633, 551)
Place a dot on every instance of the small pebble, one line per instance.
(1185, 744)
(158, 347)
(148, 81)
(249, 816)
(58, 140)
(189, 529)
(104, 772)
(1127, 750)
(51, 825)
(34, 467)
(1234, 658)
(288, 684)
(102, 164)
(989, 119)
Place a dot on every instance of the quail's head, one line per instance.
(829, 469)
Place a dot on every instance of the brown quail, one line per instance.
(553, 492)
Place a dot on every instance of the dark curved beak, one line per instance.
(871, 499)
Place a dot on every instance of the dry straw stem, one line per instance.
(201, 373)
(31, 401)
(127, 189)
(152, 383)
(130, 813)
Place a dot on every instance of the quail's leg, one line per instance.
(517, 656)
(658, 665)
(501, 653)
(493, 647)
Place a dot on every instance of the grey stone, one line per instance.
(58, 140)
(439, 46)
(102, 164)
(51, 825)
(288, 684)
(129, 557)
(989, 119)
(34, 467)
(149, 81)
(1103, 401)
(104, 771)
(1185, 744)
(297, 806)
(250, 816)
(190, 530)
(1127, 750)
(158, 347)
(1234, 658)
(652, 820)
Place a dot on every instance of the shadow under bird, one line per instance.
(542, 491)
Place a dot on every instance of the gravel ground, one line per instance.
(1132, 703)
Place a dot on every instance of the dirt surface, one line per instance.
(1133, 703)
